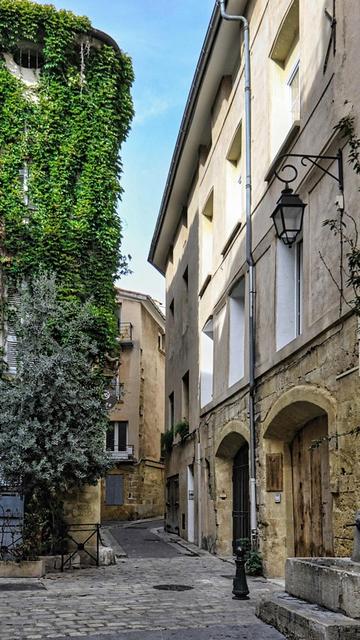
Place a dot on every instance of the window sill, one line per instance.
(294, 130)
(231, 239)
(205, 285)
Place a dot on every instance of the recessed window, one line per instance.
(289, 292)
(206, 362)
(116, 436)
(161, 341)
(206, 239)
(29, 56)
(285, 78)
(171, 416)
(185, 397)
(234, 188)
(236, 332)
(172, 308)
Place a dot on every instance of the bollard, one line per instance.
(240, 588)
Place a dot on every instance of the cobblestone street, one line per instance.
(120, 602)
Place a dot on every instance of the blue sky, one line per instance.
(164, 40)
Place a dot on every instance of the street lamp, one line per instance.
(288, 216)
(289, 211)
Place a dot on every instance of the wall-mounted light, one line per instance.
(289, 211)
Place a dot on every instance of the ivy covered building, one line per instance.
(65, 110)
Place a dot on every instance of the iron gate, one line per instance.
(241, 509)
(11, 522)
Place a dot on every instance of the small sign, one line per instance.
(191, 495)
(277, 498)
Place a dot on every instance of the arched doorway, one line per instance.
(231, 481)
(241, 508)
(303, 522)
(312, 498)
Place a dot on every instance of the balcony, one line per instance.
(126, 334)
(123, 456)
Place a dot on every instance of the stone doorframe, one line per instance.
(290, 412)
(228, 440)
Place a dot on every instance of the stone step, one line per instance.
(300, 620)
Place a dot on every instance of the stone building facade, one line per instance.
(134, 488)
(305, 79)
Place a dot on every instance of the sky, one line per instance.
(164, 40)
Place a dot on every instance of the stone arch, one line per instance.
(293, 411)
(229, 439)
(294, 408)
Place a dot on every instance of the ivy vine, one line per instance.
(67, 130)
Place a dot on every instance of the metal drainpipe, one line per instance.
(251, 269)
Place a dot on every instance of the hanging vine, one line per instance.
(67, 131)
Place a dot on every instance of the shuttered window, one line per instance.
(114, 490)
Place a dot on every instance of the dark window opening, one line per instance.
(29, 57)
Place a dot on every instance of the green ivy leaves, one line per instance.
(68, 131)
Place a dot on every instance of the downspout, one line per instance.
(251, 269)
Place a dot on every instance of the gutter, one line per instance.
(251, 269)
(186, 121)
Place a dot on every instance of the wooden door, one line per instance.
(311, 491)
(241, 509)
(172, 504)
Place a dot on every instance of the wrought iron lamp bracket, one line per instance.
(305, 158)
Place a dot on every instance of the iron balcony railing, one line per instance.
(126, 333)
(127, 454)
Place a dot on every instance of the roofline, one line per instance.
(105, 38)
(141, 297)
(201, 66)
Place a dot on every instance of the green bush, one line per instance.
(182, 429)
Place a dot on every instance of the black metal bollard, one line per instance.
(240, 588)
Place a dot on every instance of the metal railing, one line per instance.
(127, 454)
(126, 333)
(91, 533)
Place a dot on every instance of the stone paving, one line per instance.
(120, 602)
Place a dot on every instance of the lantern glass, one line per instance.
(288, 216)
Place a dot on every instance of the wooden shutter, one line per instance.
(114, 490)
(122, 442)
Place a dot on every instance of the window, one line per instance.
(285, 78)
(206, 239)
(185, 397)
(114, 490)
(171, 416)
(13, 301)
(294, 93)
(116, 436)
(172, 308)
(185, 306)
(236, 332)
(161, 342)
(206, 362)
(24, 175)
(289, 292)
(29, 56)
(233, 211)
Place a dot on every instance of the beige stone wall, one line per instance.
(142, 371)
(306, 369)
(143, 493)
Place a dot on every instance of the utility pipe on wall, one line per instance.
(251, 267)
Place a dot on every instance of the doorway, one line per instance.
(241, 505)
(311, 490)
(172, 504)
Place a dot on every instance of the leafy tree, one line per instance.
(52, 414)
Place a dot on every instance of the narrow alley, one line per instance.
(135, 600)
